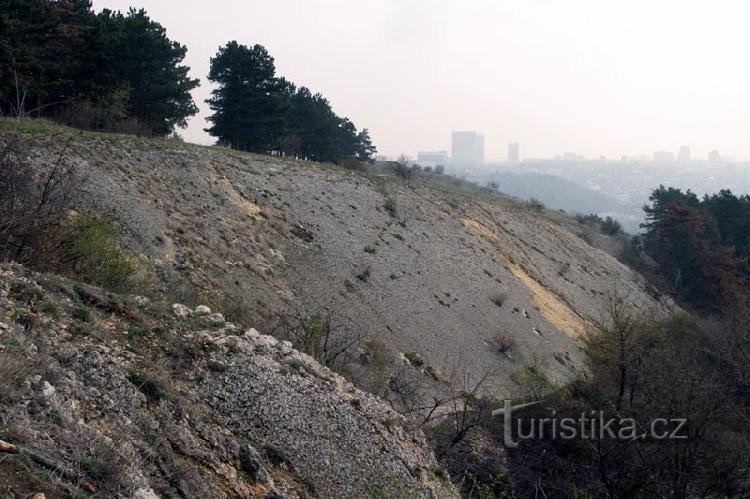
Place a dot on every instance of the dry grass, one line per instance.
(14, 370)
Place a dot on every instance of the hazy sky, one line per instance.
(596, 77)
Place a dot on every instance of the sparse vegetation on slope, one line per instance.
(133, 397)
(431, 293)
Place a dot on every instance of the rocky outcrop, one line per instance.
(140, 399)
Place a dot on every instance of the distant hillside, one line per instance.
(555, 192)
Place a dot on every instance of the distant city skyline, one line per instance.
(470, 148)
(596, 77)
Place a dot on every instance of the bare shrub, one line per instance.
(502, 342)
(353, 164)
(33, 202)
(108, 113)
(535, 205)
(465, 407)
(403, 170)
(328, 337)
(499, 299)
(407, 393)
(389, 204)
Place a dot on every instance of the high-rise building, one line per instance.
(514, 153)
(572, 156)
(714, 156)
(467, 148)
(684, 154)
(664, 156)
(432, 158)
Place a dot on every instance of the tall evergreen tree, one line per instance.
(254, 110)
(44, 48)
(733, 216)
(135, 51)
(311, 118)
(699, 246)
(355, 144)
(661, 200)
(58, 54)
(365, 148)
(249, 102)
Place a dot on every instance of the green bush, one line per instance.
(90, 252)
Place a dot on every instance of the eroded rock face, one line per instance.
(185, 408)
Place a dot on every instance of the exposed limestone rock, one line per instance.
(185, 410)
(181, 311)
(141, 301)
(216, 319)
(48, 391)
(145, 493)
(202, 310)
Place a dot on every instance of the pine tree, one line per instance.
(661, 200)
(136, 53)
(365, 148)
(249, 103)
(58, 57)
(43, 53)
(311, 118)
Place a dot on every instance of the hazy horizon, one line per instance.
(591, 77)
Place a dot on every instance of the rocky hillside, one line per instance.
(116, 396)
(429, 269)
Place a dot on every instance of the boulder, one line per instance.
(216, 319)
(144, 493)
(181, 311)
(202, 310)
(252, 464)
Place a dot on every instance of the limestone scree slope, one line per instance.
(424, 266)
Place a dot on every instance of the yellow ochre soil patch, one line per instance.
(239, 200)
(500, 242)
(550, 305)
